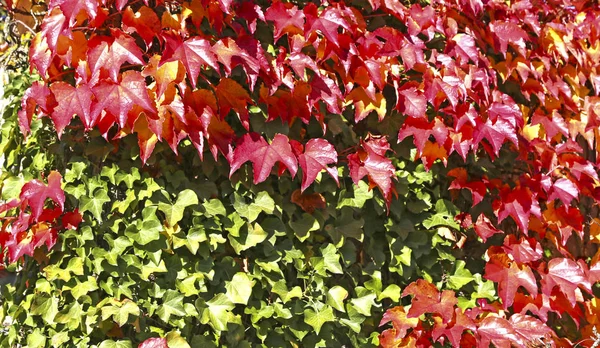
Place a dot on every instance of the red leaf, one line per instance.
(120, 98)
(71, 8)
(568, 276)
(454, 329)
(111, 57)
(328, 23)
(309, 202)
(232, 95)
(509, 276)
(371, 162)
(194, 53)
(71, 101)
(401, 324)
(286, 17)
(263, 156)
(484, 228)
(145, 22)
(38, 95)
(428, 299)
(318, 154)
(519, 203)
(36, 193)
(415, 104)
(497, 331)
(71, 220)
(154, 342)
(528, 327)
(509, 33)
(421, 130)
(565, 190)
(477, 188)
(525, 250)
(496, 133)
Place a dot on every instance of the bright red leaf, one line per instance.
(263, 155)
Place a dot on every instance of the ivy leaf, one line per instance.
(336, 296)
(120, 311)
(263, 156)
(317, 318)
(36, 193)
(461, 276)
(239, 288)
(94, 204)
(218, 312)
(115, 344)
(318, 155)
(172, 304)
(174, 212)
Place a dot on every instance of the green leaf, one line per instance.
(239, 288)
(316, 319)
(46, 306)
(253, 236)
(303, 226)
(172, 304)
(120, 311)
(262, 202)
(332, 259)
(115, 344)
(362, 193)
(36, 339)
(214, 207)
(217, 313)
(461, 276)
(336, 296)
(147, 229)
(174, 340)
(174, 212)
(280, 288)
(364, 303)
(94, 204)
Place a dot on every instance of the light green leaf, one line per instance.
(336, 296)
(364, 303)
(214, 207)
(94, 205)
(262, 202)
(172, 305)
(174, 212)
(218, 312)
(115, 344)
(174, 340)
(36, 339)
(253, 236)
(461, 276)
(332, 259)
(120, 311)
(46, 306)
(316, 319)
(280, 288)
(239, 288)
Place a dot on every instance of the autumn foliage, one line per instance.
(505, 95)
